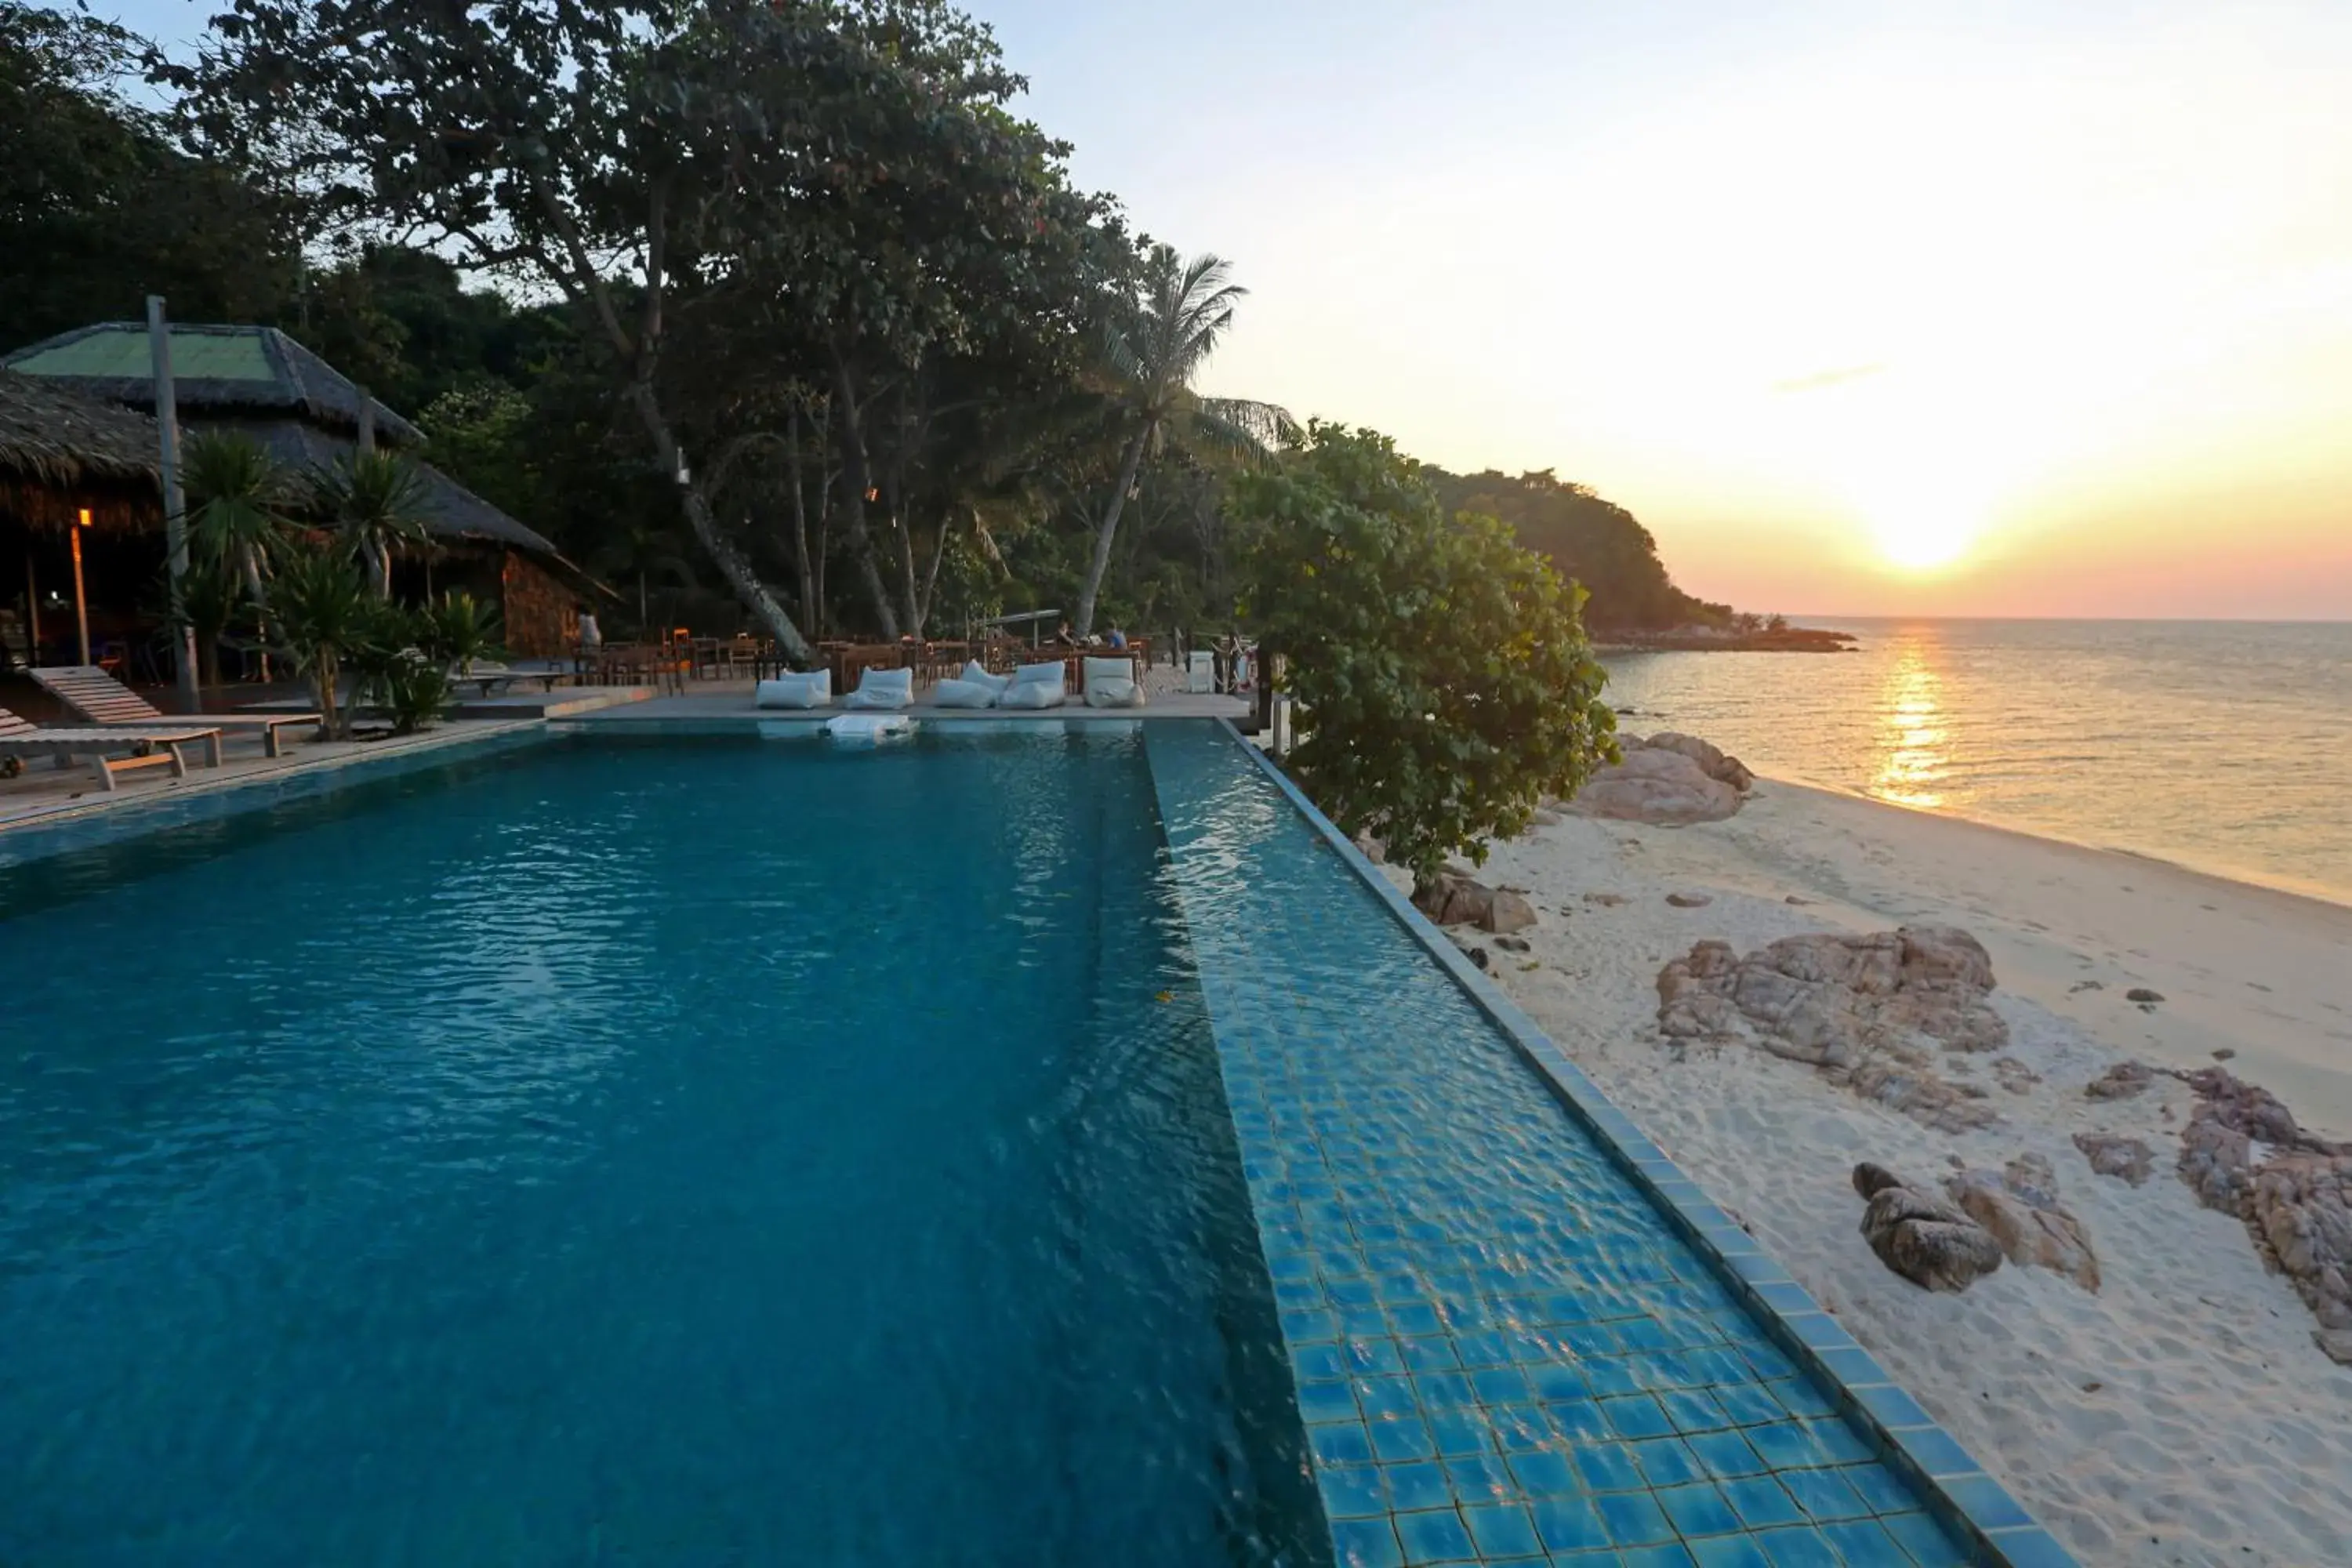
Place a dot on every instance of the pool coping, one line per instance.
(1989, 1522)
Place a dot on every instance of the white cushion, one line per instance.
(962, 694)
(814, 689)
(883, 688)
(1039, 673)
(978, 675)
(1113, 691)
(1033, 693)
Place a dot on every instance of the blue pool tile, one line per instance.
(1785, 1446)
(1458, 1434)
(1939, 1454)
(1666, 1461)
(1435, 1537)
(1761, 1501)
(1502, 1531)
(1326, 1402)
(1893, 1407)
(1481, 1477)
(1341, 1443)
(1445, 1390)
(1418, 1484)
(1727, 1454)
(1428, 1354)
(1302, 1325)
(1544, 1474)
(1699, 1510)
(1672, 1554)
(1608, 1468)
(1318, 1363)
(1823, 1494)
(1634, 1519)
(1396, 1440)
(1569, 1524)
(1639, 1416)
(1373, 1354)
(1501, 1385)
(1798, 1548)
(1693, 1412)
(1384, 1398)
(1842, 1442)
(1739, 1551)
(1414, 1319)
(1862, 1541)
(1353, 1492)
(1925, 1539)
(1880, 1488)
(1366, 1543)
(1555, 1384)
(1482, 1349)
(1987, 1505)
(2029, 1546)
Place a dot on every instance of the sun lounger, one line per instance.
(488, 678)
(105, 702)
(882, 689)
(114, 750)
(1110, 683)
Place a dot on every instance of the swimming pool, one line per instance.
(1027, 1147)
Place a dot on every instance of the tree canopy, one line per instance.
(769, 312)
(1444, 678)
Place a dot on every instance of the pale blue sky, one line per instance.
(1942, 306)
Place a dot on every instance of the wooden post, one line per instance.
(81, 605)
(176, 508)
(32, 605)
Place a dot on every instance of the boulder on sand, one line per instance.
(2019, 1206)
(1870, 1012)
(2243, 1154)
(1920, 1235)
(1456, 898)
(1669, 779)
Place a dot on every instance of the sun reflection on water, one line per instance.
(1912, 761)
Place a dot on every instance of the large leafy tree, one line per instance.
(1442, 674)
(1152, 351)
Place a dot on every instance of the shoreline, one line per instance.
(2181, 1414)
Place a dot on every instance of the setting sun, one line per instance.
(1922, 537)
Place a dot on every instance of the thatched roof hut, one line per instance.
(258, 381)
(61, 452)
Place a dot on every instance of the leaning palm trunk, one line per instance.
(1083, 622)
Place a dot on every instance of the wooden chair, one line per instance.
(114, 751)
(96, 696)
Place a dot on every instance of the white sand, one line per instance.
(2182, 1415)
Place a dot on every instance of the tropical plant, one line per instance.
(416, 694)
(1445, 680)
(1151, 355)
(322, 614)
(210, 604)
(236, 506)
(458, 629)
(377, 502)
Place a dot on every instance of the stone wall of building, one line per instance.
(542, 616)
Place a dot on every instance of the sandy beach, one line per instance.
(2180, 1415)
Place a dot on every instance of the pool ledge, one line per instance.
(1978, 1508)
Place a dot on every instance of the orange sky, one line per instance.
(1971, 312)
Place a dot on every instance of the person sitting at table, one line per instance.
(1117, 638)
(1065, 638)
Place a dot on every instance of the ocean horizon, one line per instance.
(2223, 746)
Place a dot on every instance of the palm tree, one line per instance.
(236, 521)
(1151, 358)
(376, 502)
(324, 615)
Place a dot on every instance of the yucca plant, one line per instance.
(376, 502)
(237, 500)
(458, 629)
(322, 617)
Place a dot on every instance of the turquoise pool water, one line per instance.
(691, 1153)
(1007, 1148)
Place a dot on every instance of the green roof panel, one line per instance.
(122, 351)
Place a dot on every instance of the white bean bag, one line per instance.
(1110, 683)
(1041, 674)
(962, 694)
(813, 689)
(1033, 693)
(882, 689)
(978, 675)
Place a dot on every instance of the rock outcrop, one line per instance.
(1870, 1012)
(2019, 1206)
(2124, 1080)
(2125, 1158)
(1920, 1235)
(1669, 779)
(2243, 1154)
(1456, 898)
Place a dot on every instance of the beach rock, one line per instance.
(2142, 996)
(2243, 1154)
(1542, 818)
(1915, 1232)
(1606, 901)
(2225, 1054)
(1718, 766)
(1512, 943)
(2014, 1075)
(1689, 900)
(1478, 957)
(1655, 786)
(2125, 1158)
(1373, 850)
(2124, 1080)
(2018, 1206)
(1456, 898)
(2334, 1344)
(1869, 1012)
